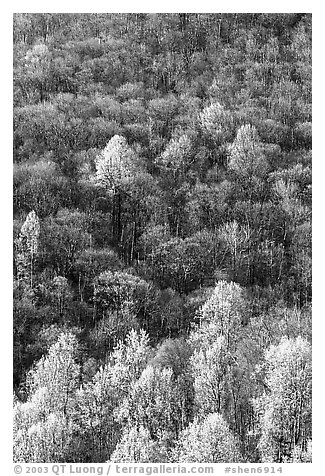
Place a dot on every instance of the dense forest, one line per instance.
(162, 237)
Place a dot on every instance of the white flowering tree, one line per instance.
(116, 168)
(153, 403)
(209, 369)
(208, 441)
(284, 409)
(247, 158)
(176, 158)
(236, 238)
(115, 165)
(137, 446)
(42, 425)
(27, 245)
(216, 122)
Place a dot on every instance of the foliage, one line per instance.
(208, 441)
(115, 165)
(27, 246)
(223, 312)
(162, 236)
(136, 446)
(246, 154)
(42, 430)
(285, 410)
(210, 368)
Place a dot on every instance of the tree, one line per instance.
(177, 164)
(96, 429)
(58, 372)
(210, 369)
(91, 263)
(26, 326)
(153, 403)
(61, 294)
(42, 425)
(40, 438)
(284, 410)
(130, 359)
(170, 315)
(63, 237)
(115, 165)
(217, 123)
(137, 446)
(40, 186)
(223, 313)
(236, 238)
(207, 441)
(118, 291)
(302, 261)
(177, 157)
(95, 414)
(27, 246)
(168, 160)
(247, 158)
(175, 354)
(36, 74)
(183, 263)
(303, 454)
(206, 204)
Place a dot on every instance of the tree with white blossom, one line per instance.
(27, 246)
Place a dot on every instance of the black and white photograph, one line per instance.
(162, 238)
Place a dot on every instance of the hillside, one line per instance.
(162, 237)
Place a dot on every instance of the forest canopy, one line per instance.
(162, 237)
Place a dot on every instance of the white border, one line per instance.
(313, 7)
